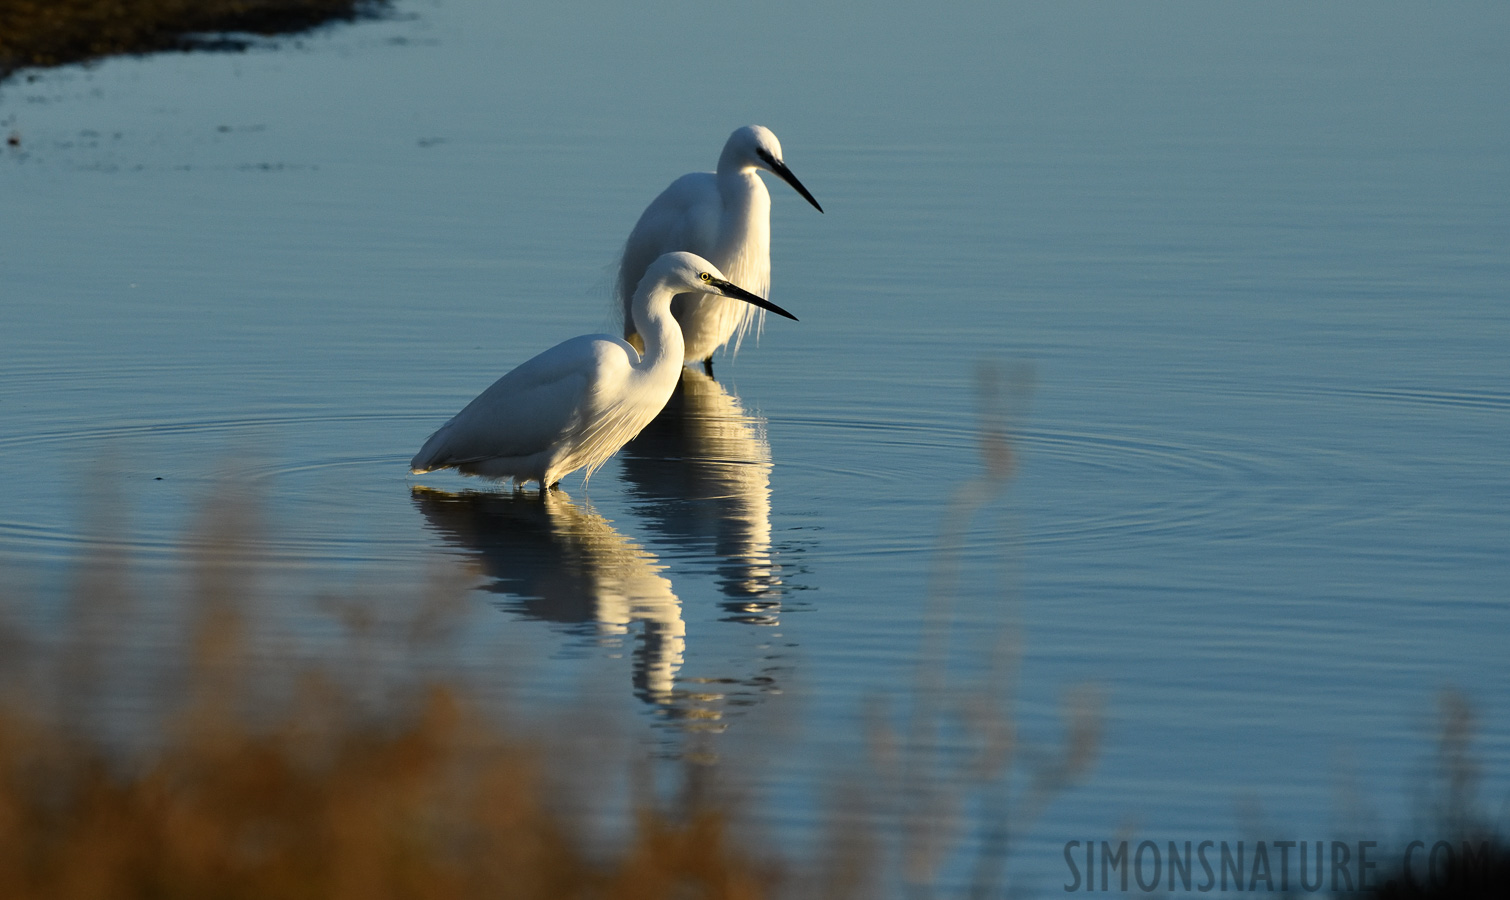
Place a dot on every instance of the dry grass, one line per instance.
(261, 771)
(56, 32)
(171, 744)
(428, 806)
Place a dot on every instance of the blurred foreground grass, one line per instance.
(210, 759)
(56, 32)
(173, 744)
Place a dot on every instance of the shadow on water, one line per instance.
(700, 476)
(559, 562)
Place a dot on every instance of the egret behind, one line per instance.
(724, 216)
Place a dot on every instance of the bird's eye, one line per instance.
(706, 278)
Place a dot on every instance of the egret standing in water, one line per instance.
(724, 216)
(576, 404)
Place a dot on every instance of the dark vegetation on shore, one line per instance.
(39, 33)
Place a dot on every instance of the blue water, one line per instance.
(1245, 268)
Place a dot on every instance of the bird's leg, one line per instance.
(708, 366)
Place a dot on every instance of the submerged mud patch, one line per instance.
(39, 33)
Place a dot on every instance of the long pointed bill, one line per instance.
(739, 293)
(786, 175)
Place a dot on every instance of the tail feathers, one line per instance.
(432, 456)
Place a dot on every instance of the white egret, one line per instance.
(724, 216)
(576, 404)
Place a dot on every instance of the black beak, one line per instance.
(786, 175)
(739, 293)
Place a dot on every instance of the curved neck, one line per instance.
(652, 319)
(746, 205)
(733, 161)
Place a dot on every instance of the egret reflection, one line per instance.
(561, 563)
(701, 476)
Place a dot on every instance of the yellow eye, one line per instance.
(706, 277)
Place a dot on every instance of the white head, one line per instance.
(682, 272)
(756, 147)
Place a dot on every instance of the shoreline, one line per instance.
(50, 33)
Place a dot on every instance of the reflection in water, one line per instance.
(702, 471)
(700, 478)
(567, 564)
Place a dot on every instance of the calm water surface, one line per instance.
(1254, 260)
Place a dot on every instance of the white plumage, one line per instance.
(576, 404)
(723, 216)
